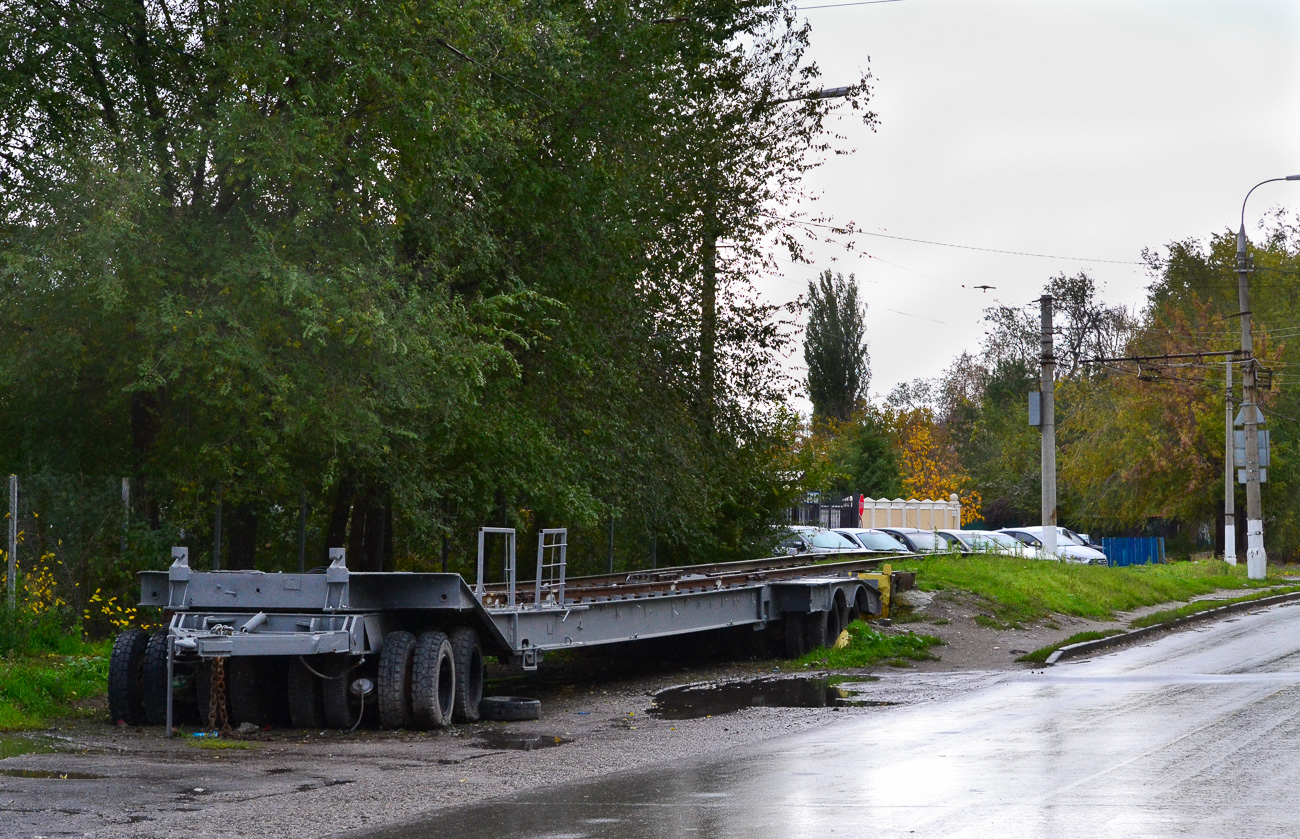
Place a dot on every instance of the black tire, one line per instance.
(814, 630)
(468, 653)
(246, 694)
(435, 681)
(795, 643)
(834, 625)
(125, 677)
(341, 707)
(395, 660)
(306, 699)
(510, 708)
(154, 679)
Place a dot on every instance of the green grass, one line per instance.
(869, 646)
(1170, 615)
(39, 687)
(1023, 590)
(1041, 654)
(218, 745)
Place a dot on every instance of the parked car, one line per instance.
(1068, 547)
(805, 539)
(993, 542)
(954, 541)
(870, 539)
(919, 541)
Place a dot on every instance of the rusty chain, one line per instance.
(217, 699)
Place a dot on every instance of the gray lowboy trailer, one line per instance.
(319, 646)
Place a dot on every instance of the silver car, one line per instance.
(802, 539)
(870, 539)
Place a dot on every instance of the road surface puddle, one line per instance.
(695, 701)
(53, 774)
(521, 742)
(17, 745)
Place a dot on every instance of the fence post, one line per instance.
(126, 511)
(11, 578)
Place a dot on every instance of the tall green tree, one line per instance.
(835, 347)
(426, 264)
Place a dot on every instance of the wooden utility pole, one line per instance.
(1047, 391)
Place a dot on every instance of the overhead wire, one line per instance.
(850, 230)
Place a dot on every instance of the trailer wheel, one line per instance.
(468, 654)
(816, 628)
(395, 659)
(245, 696)
(834, 626)
(336, 697)
(842, 611)
(435, 681)
(125, 688)
(795, 643)
(510, 708)
(306, 699)
(154, 679)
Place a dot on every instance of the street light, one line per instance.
(1256, 558)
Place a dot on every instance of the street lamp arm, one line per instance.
(1241, 235)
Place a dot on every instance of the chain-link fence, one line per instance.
(66, 539)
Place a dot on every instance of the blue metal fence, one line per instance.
(1131, 550)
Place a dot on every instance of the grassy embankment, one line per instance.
(38, 686)
(1021, 591)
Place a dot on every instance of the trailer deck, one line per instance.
(326, 629)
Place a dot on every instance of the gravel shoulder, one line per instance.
(295, 783)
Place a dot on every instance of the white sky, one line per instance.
(1081, 128)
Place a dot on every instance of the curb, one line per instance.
(1124, 637)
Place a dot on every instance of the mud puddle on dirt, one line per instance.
(695, 701)
(519, 741)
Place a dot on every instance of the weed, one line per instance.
(34, 689)
(220, 745)
(868, 646)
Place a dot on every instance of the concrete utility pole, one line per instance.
(1047, 391)
(1229, 485)
(1256, 558)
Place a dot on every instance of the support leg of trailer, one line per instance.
(171, 657)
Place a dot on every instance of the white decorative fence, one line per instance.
(926, 514)
(834, 510)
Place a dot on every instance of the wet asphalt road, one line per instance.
(1196, 734)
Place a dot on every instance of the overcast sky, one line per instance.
(1073, 128)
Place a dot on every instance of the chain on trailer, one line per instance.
(218, 715)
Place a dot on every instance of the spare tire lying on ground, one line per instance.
(509, 708)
